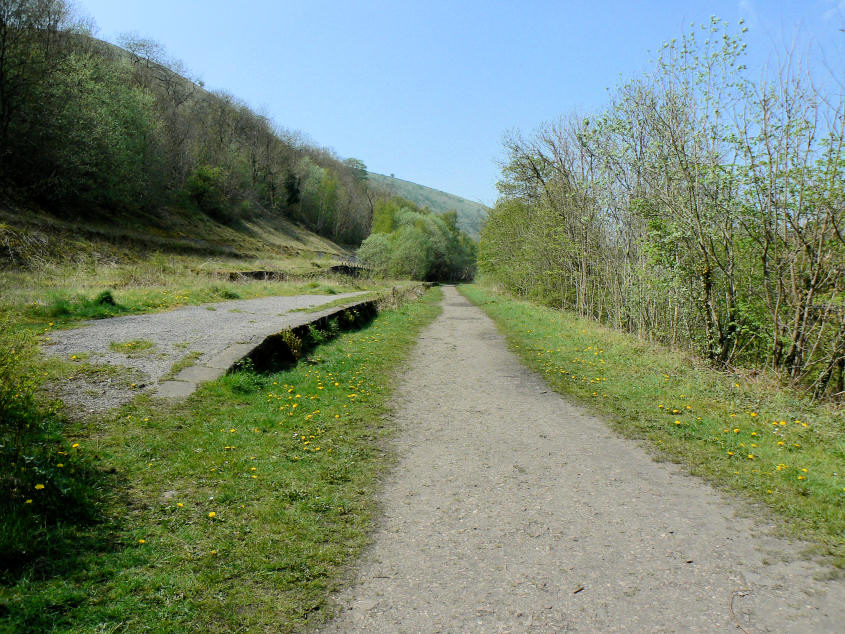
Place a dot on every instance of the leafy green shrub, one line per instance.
(316, 336)
(333, 328)
(205, 187)
(420, 245)
(293, 342)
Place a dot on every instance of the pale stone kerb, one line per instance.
(175, 389)
(285, 348)
(269, 352)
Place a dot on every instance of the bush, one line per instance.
(420, 245)
(205, 187)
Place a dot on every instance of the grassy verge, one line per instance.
(238, 509)
(745, 434)
(38, 303)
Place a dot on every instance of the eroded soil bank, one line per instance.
(511, 509)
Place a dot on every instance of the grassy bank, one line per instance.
(66, 294)
(745, 434)
(55, 270)
(235, 510)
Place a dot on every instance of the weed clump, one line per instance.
(226, 293)
(60, 306)
(105, 298)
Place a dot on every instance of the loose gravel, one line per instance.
(512, 510)
(176, 334)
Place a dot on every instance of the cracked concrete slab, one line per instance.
(221, 333)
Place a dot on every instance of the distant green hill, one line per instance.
(470, 215)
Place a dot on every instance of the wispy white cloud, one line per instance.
(833, 9)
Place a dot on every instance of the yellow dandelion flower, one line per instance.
(212, 514)
(39, 486)
(142, 541)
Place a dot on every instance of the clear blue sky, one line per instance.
(426, 89)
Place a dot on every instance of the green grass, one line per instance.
(55, 273)
(185, 362)
(133, 348)
(239, 509)
(66, 306)
(746, 434)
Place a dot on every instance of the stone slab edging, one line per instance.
(188, 379)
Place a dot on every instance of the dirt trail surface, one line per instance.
(195, 335)
(511, 510)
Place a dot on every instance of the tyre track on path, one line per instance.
(512, 510)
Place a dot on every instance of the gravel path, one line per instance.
(512, 510)
(197, 332)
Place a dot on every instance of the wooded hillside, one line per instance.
(87, 126)
(471, 215)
